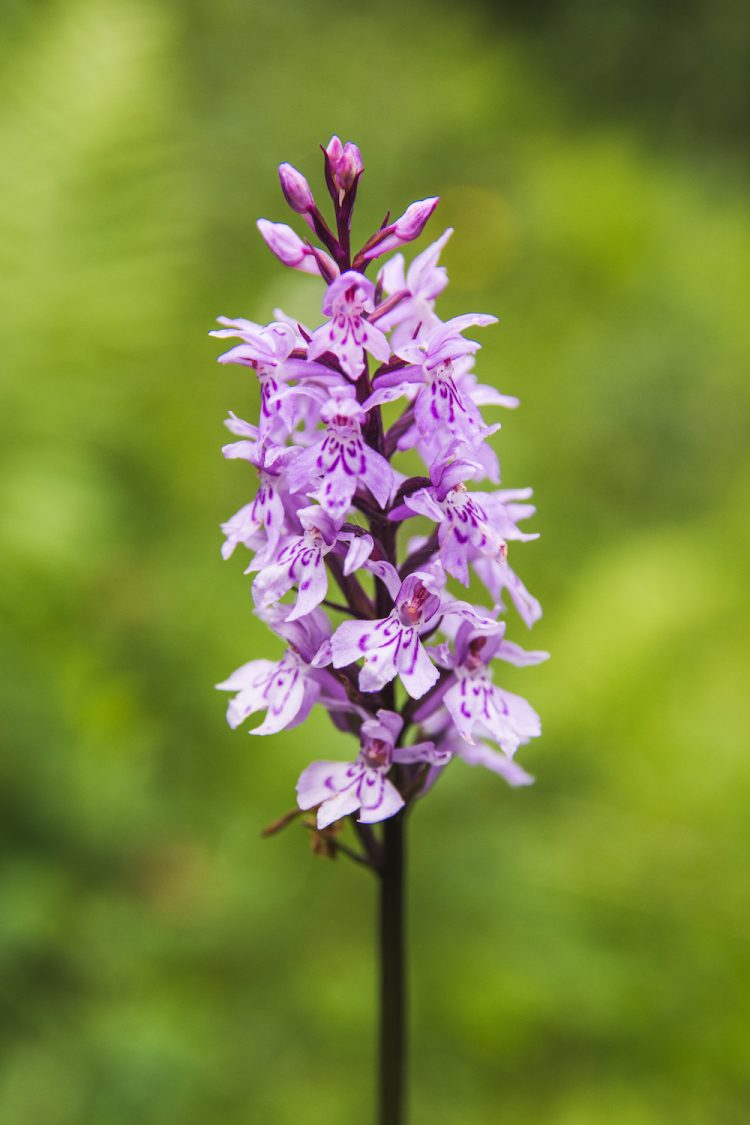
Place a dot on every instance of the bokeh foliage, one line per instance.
(580, 949)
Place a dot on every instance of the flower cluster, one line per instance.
(353, 551)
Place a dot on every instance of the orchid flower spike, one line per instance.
(357, 561)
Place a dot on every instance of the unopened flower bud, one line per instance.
(296, 189)
(414, 219)
(288, 247)
(344, 166)
(405, 229)
(349, 166)
(334, 151)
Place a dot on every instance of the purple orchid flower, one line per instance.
(300, 562)
(288, 688)
(332, 468)
(474, 702)
(268, 352)
(259, 524)
(464, 525)
(471, 525)
(348, 334)
(342, 788)
(438, 405)
(391, 646)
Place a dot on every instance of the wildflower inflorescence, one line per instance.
(361, 607)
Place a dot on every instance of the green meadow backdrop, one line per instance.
(580, 950)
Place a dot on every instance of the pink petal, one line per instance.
(388, 804)
(418, 674)
(350, 642)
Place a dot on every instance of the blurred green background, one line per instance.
(580, 950)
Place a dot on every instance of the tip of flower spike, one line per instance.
(343, 166)
(334, 148)
(350, 167)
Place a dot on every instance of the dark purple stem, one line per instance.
(326, 235)
(338, 607)
(356, 598)
(413, 484)
(344, 221)
(397, 430)
(392, 1055)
